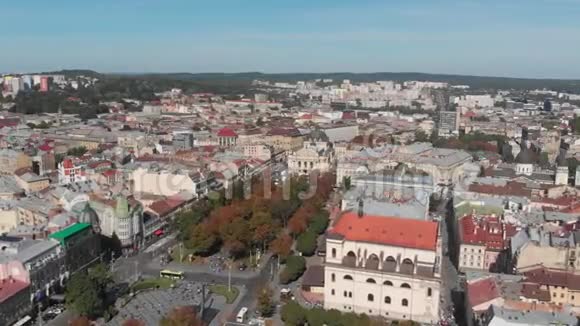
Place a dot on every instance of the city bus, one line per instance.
(171, 274)
(242, 315)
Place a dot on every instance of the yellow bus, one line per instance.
(171, 274)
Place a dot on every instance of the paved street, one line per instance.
(151, 306)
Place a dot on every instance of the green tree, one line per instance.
(316, 317)
(77, 151)
(306, 243)
(265, 302)
(293, 314)
(295, 267)
(101, 276)
(201, 240)
(319, 222)
(346, 183)
(421, 136)
(83, 296)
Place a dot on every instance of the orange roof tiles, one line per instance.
(391, 231)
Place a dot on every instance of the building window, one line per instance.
(388, 300)
(332, 291)
(389, 283)
(350, 294)
(333, 252)
(333, 277)
(562, 295)
(370, 280)
(405, 285)
(405, 302)
(345, 294)
(371, 297)
(429, 292)
(347, 277)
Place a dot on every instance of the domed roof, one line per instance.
(525, 156)
(88, 215)
(317, 135)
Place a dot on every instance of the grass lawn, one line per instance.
(151, 283)
(223, 291)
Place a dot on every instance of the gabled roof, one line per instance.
(390, 231)
(482, 291)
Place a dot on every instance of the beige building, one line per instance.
(284, 139)
(311, 158)
(166, 183)
(8, 220)
(261, 152)
(11, 160)
(383, 266)
(31, 182)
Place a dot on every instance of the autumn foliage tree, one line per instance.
(80, 321)
(282, 246)
(182, 316)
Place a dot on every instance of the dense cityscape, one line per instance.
(176, 200)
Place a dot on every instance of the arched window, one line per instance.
(388, 300)
(371, 280)
(372, 262)
(405, 285)
(333, 277)
(405, 302)
(371, 297)
(390, 264)
(347, 277)
(407, 266)
(389, 283)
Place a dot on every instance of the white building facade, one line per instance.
(392, 279)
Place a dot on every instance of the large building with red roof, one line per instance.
(383, 266)
(484, 242)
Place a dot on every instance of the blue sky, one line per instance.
(522, 38)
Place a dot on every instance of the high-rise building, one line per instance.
(17, 85)
(448, 122)
(44, 84)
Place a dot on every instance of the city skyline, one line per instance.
(532, 39)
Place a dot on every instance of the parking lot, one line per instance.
(150, 306)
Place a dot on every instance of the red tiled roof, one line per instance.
(544, 276)
(166, 206)
(10, 288)
(482, 291)
(511, 189)
(488, 231)
(348, 116)
(67, 164)
(387, 230)
(227, 132)
(45, 147)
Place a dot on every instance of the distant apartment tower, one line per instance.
(17, 85)
(448, 122)
(44, 84)
(561, 175)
